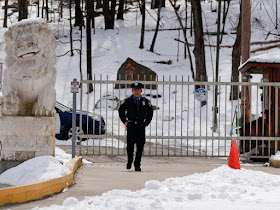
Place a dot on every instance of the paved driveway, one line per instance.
(108, 173)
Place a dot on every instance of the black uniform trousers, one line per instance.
(135, 135)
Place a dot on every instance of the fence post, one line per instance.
(74, 90)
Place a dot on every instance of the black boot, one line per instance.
(128, 166)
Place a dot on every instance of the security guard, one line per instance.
(136, 113)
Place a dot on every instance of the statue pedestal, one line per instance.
(23, 138)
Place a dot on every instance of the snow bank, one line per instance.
(221, 188)
(276, 156)
(33, 170)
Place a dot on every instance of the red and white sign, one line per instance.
(74, 87)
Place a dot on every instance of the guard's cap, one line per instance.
(136, 85)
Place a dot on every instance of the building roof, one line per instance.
(256, 64)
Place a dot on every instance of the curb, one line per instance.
(274, 163)
(21, 194)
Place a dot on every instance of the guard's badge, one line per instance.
(143, 103)
(136, 83)
(149, 103)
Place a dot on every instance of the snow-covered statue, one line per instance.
(29, 80)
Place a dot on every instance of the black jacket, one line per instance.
(128, 111)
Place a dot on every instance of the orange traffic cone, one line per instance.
(233, 160)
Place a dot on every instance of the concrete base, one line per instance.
(5, 165)
(23, 138)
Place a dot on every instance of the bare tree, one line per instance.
(157, 26)
(61, 9)
(225, 12)
(47, 9)
(88, 31)
(78, 13)
(71, 28)
(185, 37)
(43, 5)
(236, 58)
(142, 6)
(120, 10)
(23, 9)
(109, 13)
(38, 9)
(5, 14)
(199, 51)
(98, 4)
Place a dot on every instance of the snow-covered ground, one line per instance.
(222, 188)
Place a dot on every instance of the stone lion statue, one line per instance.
(29, 80)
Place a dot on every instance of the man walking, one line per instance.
(136, 112)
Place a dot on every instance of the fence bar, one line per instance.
(93, 124)
(156, 117)
(199, 139)
(81, 128)
(81, 107)
(276, 119)
(175, 103)
(193, 121)
(169, 104)
(188, 116)
(163, 91)
(182, 107)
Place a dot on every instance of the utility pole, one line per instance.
(215, 108)
(245, 54)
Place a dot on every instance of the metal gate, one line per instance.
(183, 123)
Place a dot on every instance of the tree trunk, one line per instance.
(143, 12)
(120, 10)
(42, 9)
(199, 51)
(5, 14)
(236, 58)
(185, 37)
(225, 12)
(157, 26)
(23, 9)
(47, 9)
(71, 28)
(88, 31)
(109, 13)
(38, 9)
(78, 13)
(98, 4)
(93, 17)
(61, 9)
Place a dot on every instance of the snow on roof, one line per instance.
(271, 57)
(28, 21)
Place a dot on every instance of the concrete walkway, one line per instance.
(108, 173)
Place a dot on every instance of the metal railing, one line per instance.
(182, 125)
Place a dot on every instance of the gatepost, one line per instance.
(74, 90)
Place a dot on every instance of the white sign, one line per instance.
(74, 87)
(200, 94)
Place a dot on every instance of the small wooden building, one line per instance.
(268, 65)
